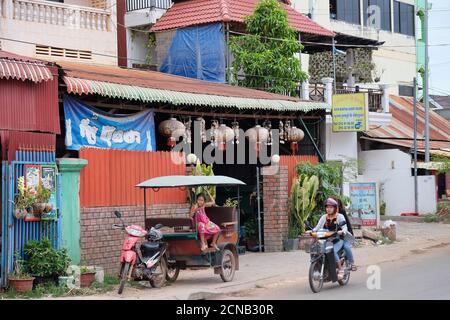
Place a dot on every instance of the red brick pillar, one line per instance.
(275, 199)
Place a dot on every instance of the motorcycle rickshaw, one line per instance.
(181, 233)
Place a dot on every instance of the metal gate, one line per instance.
(16, 233)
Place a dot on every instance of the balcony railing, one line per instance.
(133, 5)
(375, 97)
(317, 93)
(61, 14)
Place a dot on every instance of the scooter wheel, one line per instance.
(160, 280)
(315, 282)
(123, 277)
(172, 272)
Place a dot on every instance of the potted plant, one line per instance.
(20, 280)
(41, 202)
(87, 276)
(44, 262)
(303, 202)
(23, 201)
(291, 243)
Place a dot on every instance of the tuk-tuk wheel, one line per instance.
(173, 270)
(228, 266)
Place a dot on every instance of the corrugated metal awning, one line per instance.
(144, 94)
(23, 70)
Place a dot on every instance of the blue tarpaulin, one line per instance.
(197, 52)
(90, 127)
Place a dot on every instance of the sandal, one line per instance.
(215, 247)
(204, 247)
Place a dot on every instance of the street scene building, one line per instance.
(216, 135)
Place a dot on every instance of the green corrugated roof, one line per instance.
(122, 91)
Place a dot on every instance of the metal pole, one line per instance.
(145, 206)
(227, 76)
(334, 64)
(427, 89)
(259, 209)
(238, 215)
(416, 206)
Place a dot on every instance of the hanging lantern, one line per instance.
(282, 133)
(268, 126)
(213, 132)
(187, 136)
(257, 135)
(224, 134)
(172, 129)
(235, 127)
(202, 129)
(295, 135)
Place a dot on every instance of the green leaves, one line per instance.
(303, 200)
(44, 260)
(266, 56)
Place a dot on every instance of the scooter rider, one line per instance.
(330, 221)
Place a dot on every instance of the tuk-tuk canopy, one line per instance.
(189, 181)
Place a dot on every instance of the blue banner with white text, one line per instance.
(87, 126)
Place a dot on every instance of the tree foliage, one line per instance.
(265, 61)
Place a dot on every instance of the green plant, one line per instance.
(19, 269)
(25, 198)
(266, 62)
(430, 218)
(383, 208)
(230, 203)
(251, 228)
(303, 199)
(43, 194)
(45, 261)
(443, 163)
(330, 175)
(209, 191)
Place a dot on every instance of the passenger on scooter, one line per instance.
(330, 221)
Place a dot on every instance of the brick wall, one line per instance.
(275, 198)
(100, 245)
(163, 43)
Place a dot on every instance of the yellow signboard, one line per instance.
(350, 112)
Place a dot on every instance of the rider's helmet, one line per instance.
(331, 202)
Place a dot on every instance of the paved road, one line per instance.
(423, 275)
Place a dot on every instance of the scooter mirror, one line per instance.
(308, 224)
(158, 226)
(118, 214)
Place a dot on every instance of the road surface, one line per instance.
(423, 275)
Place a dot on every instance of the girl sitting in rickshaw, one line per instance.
(205, 227)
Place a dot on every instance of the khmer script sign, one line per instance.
(90, 127)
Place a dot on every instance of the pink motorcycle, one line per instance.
(147, 263)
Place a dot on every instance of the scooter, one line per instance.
(148, 263)
(323, 262)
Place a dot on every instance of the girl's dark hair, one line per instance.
(201, 195)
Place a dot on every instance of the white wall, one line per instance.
(136, 48)
(392, 170)
(47, 33)
(398, 63)
(342, 146)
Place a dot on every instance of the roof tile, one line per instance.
(196, 12)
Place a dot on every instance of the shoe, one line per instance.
(340, 274)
